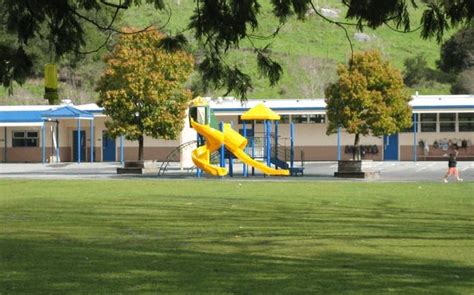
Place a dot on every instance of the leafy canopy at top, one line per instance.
(218, 25)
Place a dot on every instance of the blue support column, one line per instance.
(244, 127)
(338, 143)
(276, 139)
(92, 140)
(292, 145)
(198, 140)
(253, 146)
(414, 137)
(78, 141)
(43, 141)
(122, 142)
(57, 142)
(265, 141)
(269, 142)
(222, 150)
(231, 162)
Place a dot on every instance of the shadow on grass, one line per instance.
(39, 266)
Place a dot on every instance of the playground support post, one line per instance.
(253, 145)
(244, 131)
(198, 140)
(276, 139)
(222, 152)
(269, 143)
(414, 137)
(231, 162)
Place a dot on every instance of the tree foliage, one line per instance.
(142, 90)
(464, 83)
(457, 53)
(218, 25)
(368, 98)
(417, 73)
(415, 70)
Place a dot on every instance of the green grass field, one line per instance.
(207, 236)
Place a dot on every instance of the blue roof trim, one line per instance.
(275, 109)
(21, 117)
(443, 107)
(323, 109)
(67, 112)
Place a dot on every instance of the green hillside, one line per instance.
(308, 50)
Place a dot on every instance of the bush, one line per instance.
(464, 83)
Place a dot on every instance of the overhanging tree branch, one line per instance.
(339, 24)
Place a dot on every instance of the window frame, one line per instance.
(25, 139)
(469, 122)
(320, 119)
(422, 122)
(451, 122)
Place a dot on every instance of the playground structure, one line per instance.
(220, 137)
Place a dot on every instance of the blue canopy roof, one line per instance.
(67, 112)
(21, 117)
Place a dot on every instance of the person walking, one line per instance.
(452, 169)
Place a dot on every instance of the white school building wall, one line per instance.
(447, 118)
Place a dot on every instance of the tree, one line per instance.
(457, 53)
(417, 73)
(141, 88)
(368, 98)
(464, 83)
(415, 70)
(218, 25)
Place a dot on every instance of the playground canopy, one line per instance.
(260, 112)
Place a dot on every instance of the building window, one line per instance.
(25, 139)
(410, 129)
(428, 122)
(317, 119)
(284, 119)
(299, 119)
(447, 122)
(466, 121)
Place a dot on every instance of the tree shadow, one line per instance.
(45, 266)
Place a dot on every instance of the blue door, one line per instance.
(83, 146)
(108, 148)
(390, 146)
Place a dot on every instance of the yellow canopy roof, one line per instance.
(260, 112)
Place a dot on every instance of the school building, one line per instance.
(77, 133)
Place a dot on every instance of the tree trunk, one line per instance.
(356, 151)
(140, 148)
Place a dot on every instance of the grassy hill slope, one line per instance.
(308, 50)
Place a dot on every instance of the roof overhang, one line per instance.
(21, 124)
(67, 112)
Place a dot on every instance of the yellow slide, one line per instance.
(234, 142)
(201, 155)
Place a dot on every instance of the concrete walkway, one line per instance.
(389, 171)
